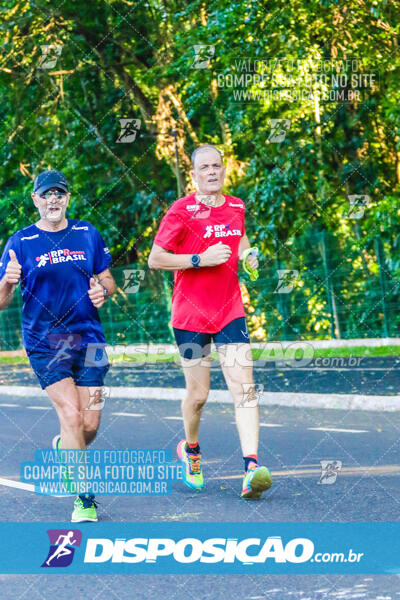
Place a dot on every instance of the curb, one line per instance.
(299, 400)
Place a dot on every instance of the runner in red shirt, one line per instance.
(201, 238)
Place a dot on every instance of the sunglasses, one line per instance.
(57, 193)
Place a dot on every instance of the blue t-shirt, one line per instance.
(56, 271)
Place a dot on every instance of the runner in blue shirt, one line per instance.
(62, 267)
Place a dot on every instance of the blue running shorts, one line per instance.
(86, 366)
(194, 345)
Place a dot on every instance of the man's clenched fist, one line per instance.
(96, 293)
(252, 261)
(13, 270)
(215, 255)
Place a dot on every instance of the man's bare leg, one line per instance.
(89, 397)
(237, 366)
(78, 428)
(197, 378)
(65, 399)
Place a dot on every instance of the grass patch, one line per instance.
(269, 354)
(14, 360)
(279, 354)
(141, 357)
(258, 353)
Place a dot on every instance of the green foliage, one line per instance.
(118, 58)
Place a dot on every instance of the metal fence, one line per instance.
(317, 286)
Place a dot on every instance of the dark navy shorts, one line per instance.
(87, 367)
(193, 344)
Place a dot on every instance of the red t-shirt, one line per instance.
(208, 298)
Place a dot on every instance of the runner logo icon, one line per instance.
(42, 260)
(63, 543)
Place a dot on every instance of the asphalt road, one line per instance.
(293, 441)
(369, 375)
(201, 587)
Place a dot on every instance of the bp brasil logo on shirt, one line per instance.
(220, 231)
(60, 256)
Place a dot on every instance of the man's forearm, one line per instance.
(171, 262)
(109, 284)
(6, 293)
(243, 245)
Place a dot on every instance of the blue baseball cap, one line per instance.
(50, 179)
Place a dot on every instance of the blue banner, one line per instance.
(279, 548)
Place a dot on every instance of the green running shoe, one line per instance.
(84, 509)
(255, 482)
(68, 485)
(192, 475)
(55, 443)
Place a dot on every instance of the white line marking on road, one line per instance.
(338, 430)
(39, 407)
(17, 484)
(4, 404)
(126, 414)
(381, 470)
(264, 424)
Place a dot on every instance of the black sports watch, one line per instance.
(195, 258)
